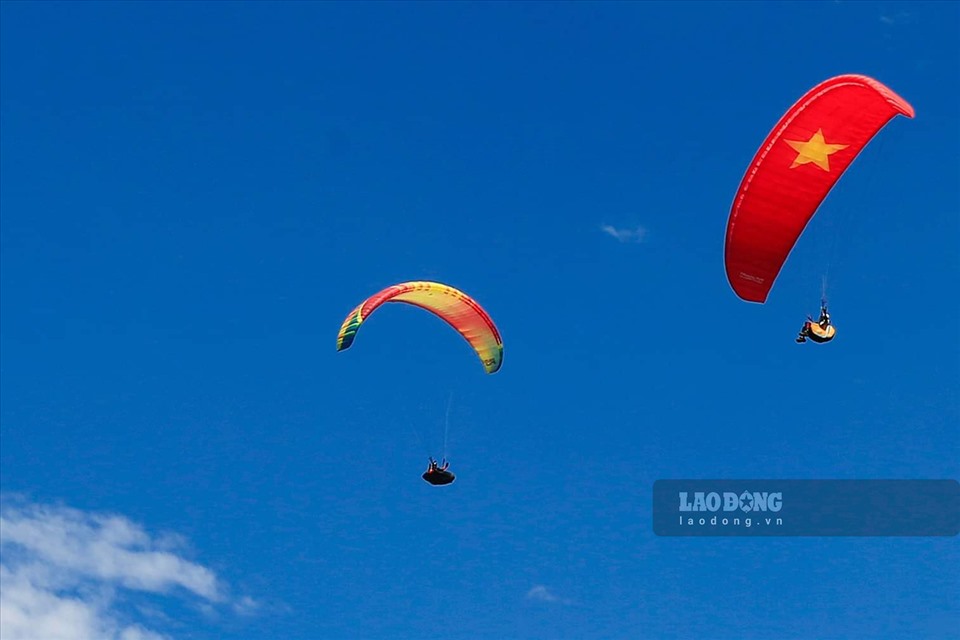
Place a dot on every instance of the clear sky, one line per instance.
(194, 196)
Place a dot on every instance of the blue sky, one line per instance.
(194, 195)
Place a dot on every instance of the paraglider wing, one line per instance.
(455, 307)
(791, 174)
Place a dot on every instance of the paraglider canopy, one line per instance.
(792, 172)
(453, 306)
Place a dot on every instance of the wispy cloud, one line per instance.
(541, 593)
(898, 18)
(68, 574)
(637, 234)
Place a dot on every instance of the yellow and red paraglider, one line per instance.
(455, 307)
(794, 170)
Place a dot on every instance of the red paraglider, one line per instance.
(794, 170)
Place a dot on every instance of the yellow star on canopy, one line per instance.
(815, 150)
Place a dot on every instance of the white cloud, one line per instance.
(542, 594)
(625, 235)
(901, 17)
(246, 606)
(66, 574)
